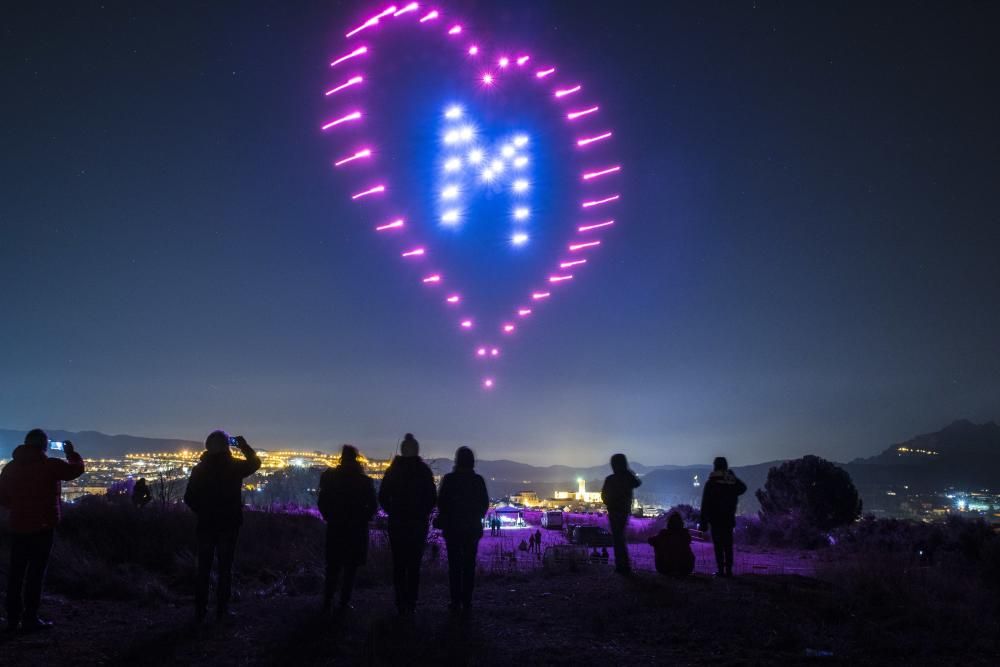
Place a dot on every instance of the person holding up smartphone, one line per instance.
(215, 494)
(31, 489)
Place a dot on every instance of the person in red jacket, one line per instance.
(31, 488)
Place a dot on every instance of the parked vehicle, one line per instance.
(552, 519)
(591, 536)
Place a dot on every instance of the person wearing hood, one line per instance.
(407, 495)
(617, 497)
(347, 503)
(215, 494)
(672, 548)
(718, 511)
(30, 489)
(462, 504)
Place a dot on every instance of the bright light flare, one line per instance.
(508, 328)
(453, 112)
(520, 185)
(574, 247)
(372, 21)
(503, 62)
(354, 115)
(507, 151)
(598, 202)
(541, 74)
(520, 141)
(522, 61)
(575, 262)
(450, 192)
(589, 140)
(488, 383)
(465, 324)
(455, 30)
(522, 213)
(353, 81)
(430, 16)
(481, 352)
(453, 299)
(520, 161)
(363, 153)
(538, 296)
(559, 279)
(475, 156)
(599, 225)
(360, 51)
(573, 115)
(590, 175)
(567, 91)
(452, 164)
(450, 216)
(370, 191)
(488, 79)
(412, 7)
(494, 352)
(416, 252)
(435, 278)
(524, 312)
(473, 50)
(519, 239)
(395, 224)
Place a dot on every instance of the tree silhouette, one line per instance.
(809, 491)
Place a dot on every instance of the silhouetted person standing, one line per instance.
(215, 494)
(347, 503)
(462, 504)
(718, 511)
(407, 495)
(617, 497)
(140, 493)
(672, 548)
(31, 488)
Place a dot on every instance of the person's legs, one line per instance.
(468, 568)
(227, 553)
(718, 544)
(334, 563)
(454, 547)
(417, 538)
(15, 578)
(397, 544)
(207, 541)
(39, 547)
(350, 570)
(618, 522)
(727, 550)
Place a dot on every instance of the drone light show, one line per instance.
(485, 166)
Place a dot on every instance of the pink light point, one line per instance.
(416, 252)
(455, 30)
(372, 21)
(559, 279)
(541, 74)
(466, 324)
(481, 352)
(589, 140)
(361, 50)
(354, 80)
(473, 50)
(488, 79)
(395, 224)
(587, 228)
(523, 60)
(430, 16)
(583, 246)
(370, 191)
(590, 175)
(598, 202)
(364, 152)
(508, 328)
(432, 279)
(524, 312)
(453, 299)
(575, 262)
(573, 115)
(412, 7)
(354, 115)
(567, 91)
(494, 352)
(503, 62)
(540, 295)
(488, 383)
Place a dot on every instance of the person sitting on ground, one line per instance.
(408, 496)
(347, 503)
(31, 488)
(718, 511)
(617, 497)
(140, 493)
(215, 494)
(462, 504)
(672, 548)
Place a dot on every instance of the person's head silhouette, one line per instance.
(37, 438)
(464, 458)
(410, 446)
(349, 455)
(720, 464)
(217, 442)
(674, 521)
(619, 463)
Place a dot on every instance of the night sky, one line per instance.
(806, 259)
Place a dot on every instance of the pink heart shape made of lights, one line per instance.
(568, 99)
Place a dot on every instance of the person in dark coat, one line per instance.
(462, 504)
(718, 511)
(140, 493)
(617, 497)
(215, 494)
(672, 548)
(31, 488)
(407, 495)
(347, 503)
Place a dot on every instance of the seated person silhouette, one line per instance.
(672, 548)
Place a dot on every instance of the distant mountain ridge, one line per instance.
(956, 443)
(93, 444)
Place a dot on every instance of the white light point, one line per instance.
(497, 166)
(450, 192)
(520, 185)
(450, 216)
(475, 156)
(452, 136)
(507, 151)
(519, 239)
(521, 213)
(467, 133)
(453, 112)
(487, 175)
(503, 62)
(452, 164)
(488, 383)
(520, 162)
(488, 79)
(520, 141)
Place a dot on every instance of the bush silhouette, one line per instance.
(809, 493)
